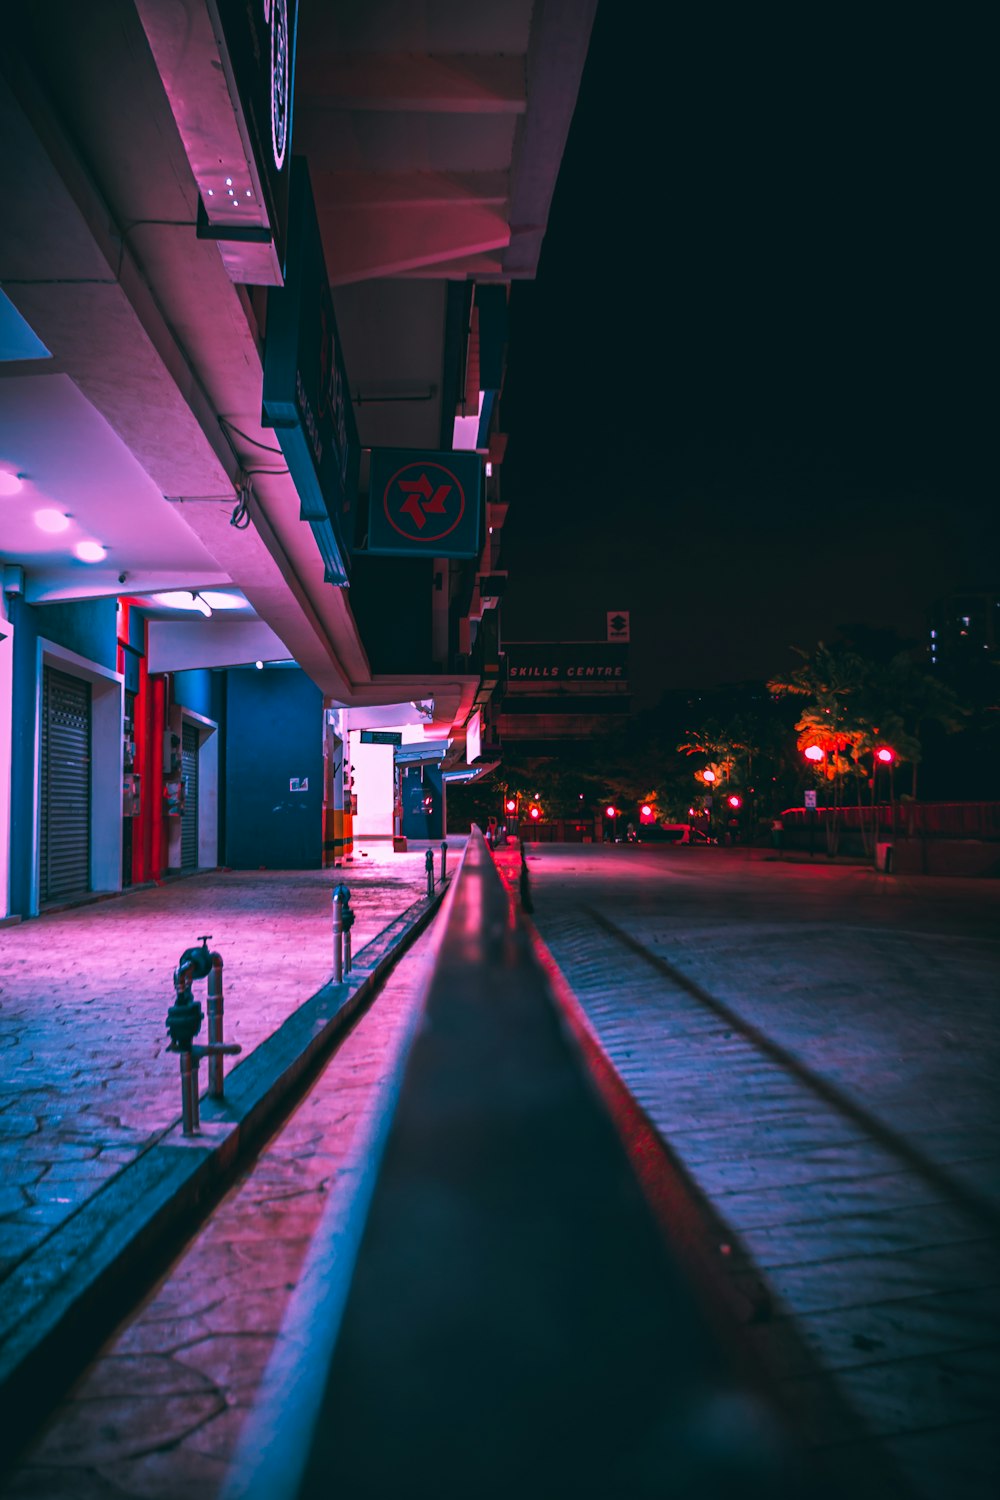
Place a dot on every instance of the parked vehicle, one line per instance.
(673, 833)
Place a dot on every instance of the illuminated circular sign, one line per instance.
(424, 502)
(276, 12)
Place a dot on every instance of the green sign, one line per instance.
(306, 395)
(424, 504)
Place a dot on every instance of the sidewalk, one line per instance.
(89, 1094)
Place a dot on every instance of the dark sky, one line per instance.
(752, 393)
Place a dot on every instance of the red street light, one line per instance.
(814, 753)
(708, 776)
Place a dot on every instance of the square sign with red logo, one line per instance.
(424, 504)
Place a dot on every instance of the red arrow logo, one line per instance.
(432, 503)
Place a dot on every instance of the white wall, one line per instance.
(373, 788)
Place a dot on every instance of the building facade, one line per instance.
(253, 329)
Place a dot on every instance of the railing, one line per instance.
(499, 1313)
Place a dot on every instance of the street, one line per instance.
(818, 1045)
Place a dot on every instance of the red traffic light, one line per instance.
(610, 812)
(511, 805)
(535, 811)
(885, 755)
(735, 801)
(646, 810)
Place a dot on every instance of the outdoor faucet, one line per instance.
(184, 1020)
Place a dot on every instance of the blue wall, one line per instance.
(201, 691)
(88, 627)
(274, 732)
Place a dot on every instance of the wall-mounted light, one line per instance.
(9, 483)
(259, 665)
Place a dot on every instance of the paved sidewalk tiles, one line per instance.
(93, 1167)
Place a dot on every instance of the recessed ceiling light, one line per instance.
(90, 552)
(222, 601)
(9, 483)
(51, 520)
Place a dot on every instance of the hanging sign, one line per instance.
(306, 396)
(424, 504)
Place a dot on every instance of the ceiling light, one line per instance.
(90, 552)
(222, 601)
(9, 483)
(51, 521)
(200, 604)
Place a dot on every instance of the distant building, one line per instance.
(963, 632)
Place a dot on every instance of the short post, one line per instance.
(429, 865)
(215, 1009)
(190, 1120)
(348, 920)
(343, 921)
(444, 860)
(338, 933)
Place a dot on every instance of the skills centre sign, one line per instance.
(424, 504)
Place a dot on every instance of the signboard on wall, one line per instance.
(381, 737)
(260, 51)
(307, 399)
(569, 663)
(424, 504)
(474, 738)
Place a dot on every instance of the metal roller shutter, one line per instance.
(189, 821)
(65, 786)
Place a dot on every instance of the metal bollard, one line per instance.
(215, 1010)
(429, 863)
(444, 860)
(343, 921)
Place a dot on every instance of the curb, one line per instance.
(63, 1301)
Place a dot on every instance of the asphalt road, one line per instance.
(819, 1047)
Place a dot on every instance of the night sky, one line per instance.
(751, 395)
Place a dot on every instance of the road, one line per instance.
(819, 1047)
